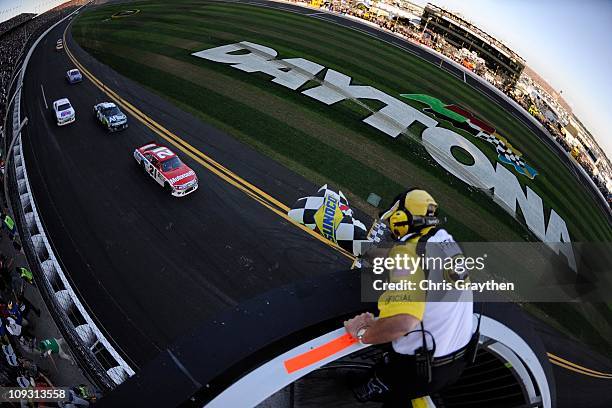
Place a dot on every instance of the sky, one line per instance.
(568, 43)
(11, 8)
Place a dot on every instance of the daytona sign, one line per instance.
(393, 119)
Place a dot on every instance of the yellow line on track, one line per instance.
(568, 367)
(577, 368)
(151, 123)
(207, 162)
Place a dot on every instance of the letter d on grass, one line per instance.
(291, 73)
(224, 54)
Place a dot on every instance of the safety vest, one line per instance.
(8, 221)
(49, 345)
(25, 274)
(412, 302)
(83, 391)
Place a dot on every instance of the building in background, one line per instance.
(463, 34)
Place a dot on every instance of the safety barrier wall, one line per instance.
(89, 345)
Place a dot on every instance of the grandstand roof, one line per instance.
(471, 28)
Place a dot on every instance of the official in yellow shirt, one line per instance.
(429, 337)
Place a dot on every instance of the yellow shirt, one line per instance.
(412, 302)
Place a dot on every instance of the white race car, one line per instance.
(64, 112)
(73, 76)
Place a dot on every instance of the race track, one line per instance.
(148, 265)
(151, 267)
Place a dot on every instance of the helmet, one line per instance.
(420, 202)
(419, 211)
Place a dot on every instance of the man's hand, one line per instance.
(353, 325)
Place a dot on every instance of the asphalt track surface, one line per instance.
(151, 267)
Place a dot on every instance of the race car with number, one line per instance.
(166, 169)
(110, 116)
(63, 112)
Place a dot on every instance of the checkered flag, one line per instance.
(509, 156)
(378, 231)
(349, 233)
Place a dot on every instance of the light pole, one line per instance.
(425, 28)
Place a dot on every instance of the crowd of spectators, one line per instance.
(12, 42)
(555, 129)
(22, 353)
(413, 31)
(11, 23)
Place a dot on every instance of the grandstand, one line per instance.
(8, 25)
(463, 34)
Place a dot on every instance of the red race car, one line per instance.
(166, 169)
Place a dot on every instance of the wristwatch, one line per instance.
(360, 333)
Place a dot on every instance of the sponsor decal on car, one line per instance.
(181, 177)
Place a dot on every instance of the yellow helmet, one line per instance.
(399, 222)
(420, 202)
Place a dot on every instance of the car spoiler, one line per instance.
(149, 145)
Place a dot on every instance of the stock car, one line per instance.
(73, 76)
(63, 112)
(110, 116)
(166, 169)
(59, 45)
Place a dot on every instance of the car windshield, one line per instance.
(171, 164)
(63, 107)
(112, 111)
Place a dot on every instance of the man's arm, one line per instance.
(387, 329)
(383, 330)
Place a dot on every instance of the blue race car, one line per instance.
(73, 76)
